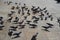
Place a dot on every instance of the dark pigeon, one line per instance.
(46, 28)
(19, 11)
(10, 33)
(34, 37)
(1, 27)
(13, 7)
(33, 25)
(1, 22)
(28, 22)
(21, 26)
(50, 24)
(16, 20)
(1, 18)
(17, 7)
(28, 12)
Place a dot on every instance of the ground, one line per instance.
(27, 33)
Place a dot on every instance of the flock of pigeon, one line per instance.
(25, 12)
(1, 23)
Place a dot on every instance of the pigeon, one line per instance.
(21, 26)
(50, 24)
(17, 7)
(46, 28)
(1, 27)
(19, 11)
(1, 22)
(13, 7)
(1, 18)
(34, 37)
(10, 33)
(10, 18)
(17, 35)
(33, 25)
